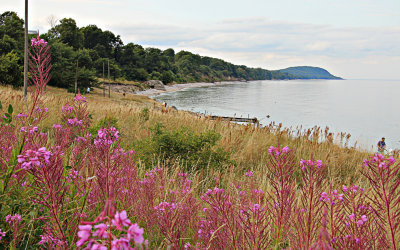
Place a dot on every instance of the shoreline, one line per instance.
(178, 87)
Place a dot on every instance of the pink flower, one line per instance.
(303, 164)
(22, 115)
(84, 234)
(67, 108)
(136, 233)
(102, 231)
(118, 244)
(345, 189)
(13, 218)
(57, 126)
(285, 149)
(2, 234)
(98, 247)
(271, 149)
(120, 220)
(35, 158)
(75, 121)
(249, 174)
(79, 98)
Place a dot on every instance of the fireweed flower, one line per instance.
(135, 233)
(101, 231)
(165, 206)
(285, 149)
(249, 174)
(38, 42)
(118, 244)
(332, 198)
(120, 220)
(97, 247)
(34, 158)
(271, 149)
(83, 234)
(359, 222)
(278, 151)
(75, 122)
(56, 126)
(80, 98)
(13, 218)
(21, 115)
(106, 136)
(2, 234)
(67, 108)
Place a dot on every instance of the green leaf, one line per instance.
(1, 106)
(67, 167)
(10, 109)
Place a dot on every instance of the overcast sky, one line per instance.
(350, 38)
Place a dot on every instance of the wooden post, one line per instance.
(26, 52)
(104, 86)
(109, 82)
(76, 77)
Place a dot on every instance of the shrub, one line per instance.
(192, 149)
(104, 123)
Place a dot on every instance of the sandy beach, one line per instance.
(179, 87)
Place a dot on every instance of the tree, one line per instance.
(7, 44)
(68, 33)
(10, 70)
(12, 26)
(63, 59)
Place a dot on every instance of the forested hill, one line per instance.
(307, 72)
(90, 48)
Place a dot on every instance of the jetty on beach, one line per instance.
(235, 119)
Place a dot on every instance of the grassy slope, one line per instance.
(246, 143)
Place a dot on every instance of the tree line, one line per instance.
(90, 48)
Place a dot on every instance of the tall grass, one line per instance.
(78, 189)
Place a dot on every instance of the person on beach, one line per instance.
(88, 90)
(382, 146)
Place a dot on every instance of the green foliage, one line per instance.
(194, 150)
(68, 33)
(145, 115)
(12, 26)
(6, 119)
(93, 47)
(104, 123)
(10, 70)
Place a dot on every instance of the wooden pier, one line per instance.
(235, 119)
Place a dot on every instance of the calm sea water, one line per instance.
(367, 109)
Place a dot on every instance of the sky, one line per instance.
(354, 39)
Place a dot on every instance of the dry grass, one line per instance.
(246, 143)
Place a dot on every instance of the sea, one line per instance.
(366, 109)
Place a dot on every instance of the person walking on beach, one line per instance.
(88, 90)
(381, 146)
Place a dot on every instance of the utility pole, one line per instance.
(26, 52)
(76, 77)
(104, 86)
(109, 81)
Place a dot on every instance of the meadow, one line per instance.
(93, 172)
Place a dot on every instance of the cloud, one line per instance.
(272, 44)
